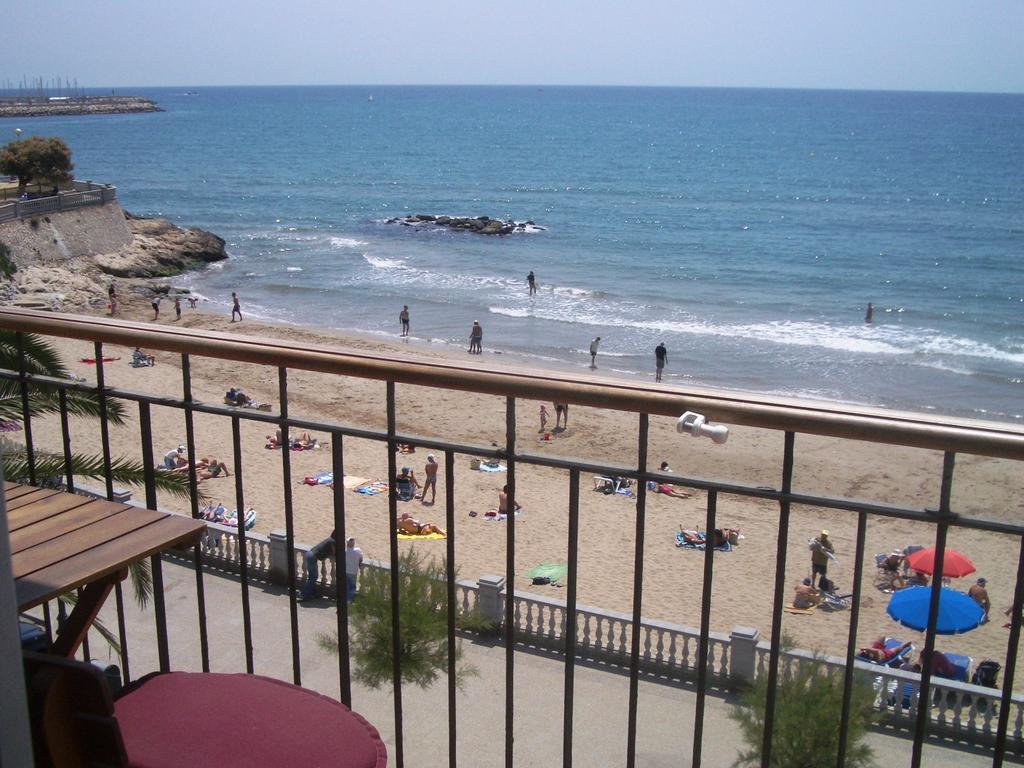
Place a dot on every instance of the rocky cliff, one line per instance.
(66, 260)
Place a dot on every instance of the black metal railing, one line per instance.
(788, 417)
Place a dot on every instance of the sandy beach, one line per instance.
(744, 578)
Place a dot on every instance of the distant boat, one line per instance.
(371, 98)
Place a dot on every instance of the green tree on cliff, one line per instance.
(37, 159)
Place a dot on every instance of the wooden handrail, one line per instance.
(786, 414)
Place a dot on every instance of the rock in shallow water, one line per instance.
(483, 225)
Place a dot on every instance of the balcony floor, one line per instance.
(665, 718)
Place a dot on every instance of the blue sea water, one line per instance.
(746, 229)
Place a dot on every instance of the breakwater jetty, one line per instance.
(48, 106)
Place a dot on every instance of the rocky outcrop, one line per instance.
(50, 275)
(160, 249)
(481, 225)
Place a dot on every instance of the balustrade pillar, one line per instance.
(278, 557)
(488, 598)
(743, 653)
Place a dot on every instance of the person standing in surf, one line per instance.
(236, 308)
(531, 283)
(869, 314)
(593, 352)
(403, 318)
(476, 337)
(660, 358)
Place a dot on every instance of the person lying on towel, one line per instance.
(409, 525)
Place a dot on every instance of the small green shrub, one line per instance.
(423, 625)
(805, 729)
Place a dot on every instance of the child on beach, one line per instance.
(177, 308)
(543, 419)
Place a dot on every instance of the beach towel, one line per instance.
(492, 468)
(550, 571)
(421, 536)
(320, 478)
(350, 482)
(372, 488)
(699, 545)
(92, 360)
(494, 515)
(799, 611)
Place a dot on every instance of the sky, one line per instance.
(938, 45)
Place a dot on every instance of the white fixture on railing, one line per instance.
(697, 425)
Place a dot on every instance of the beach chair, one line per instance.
(404, 489)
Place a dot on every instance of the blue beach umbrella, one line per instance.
(957, 612)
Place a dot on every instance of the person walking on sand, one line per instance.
(403, 318)
(429, 479)
(236, 308)
(177, 308)
(476, 337)
(593, 352)
(869, 314)
(156, 307)
(660, 358)
(531, 283)
(543, 419)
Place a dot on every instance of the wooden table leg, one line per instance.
(71, 635)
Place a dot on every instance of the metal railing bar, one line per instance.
(104, 426)
(160, 613)
(776, 413)
(1011, 663)
(851, 641)
(159, 608)
(86, 654)
(122, 632)
(47, 622)
(778, 600)
(289, 524)
(510, 580)
(569, 630)
(705, 628)
(643, 427)
(941, 530)
(341, 567)
(396, 638)
(65, 435)
(736, 489)
(243, 554)
(26, 411)
(193, 484)
(449, 573)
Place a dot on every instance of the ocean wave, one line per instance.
(382, 263)
(347, 242)
(510, 311)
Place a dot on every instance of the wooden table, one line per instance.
(63, 541)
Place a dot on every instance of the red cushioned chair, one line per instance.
(188, 718)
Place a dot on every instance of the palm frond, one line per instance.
(122, 471)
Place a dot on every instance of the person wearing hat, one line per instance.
(979, 594)
(172, 456)
(821, 552)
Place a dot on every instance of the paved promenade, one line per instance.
(666, 710)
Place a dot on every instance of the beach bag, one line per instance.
(541, 580)
(987, 674)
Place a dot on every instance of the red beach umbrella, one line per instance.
(954, 564)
